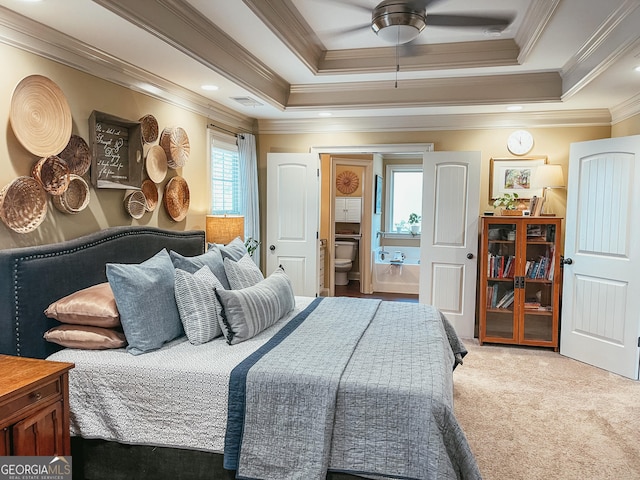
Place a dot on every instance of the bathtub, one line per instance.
(391, 277)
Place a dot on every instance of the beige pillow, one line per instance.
(88, 338)
(93, 306)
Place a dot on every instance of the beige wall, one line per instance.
(552, 142)
(84, 94)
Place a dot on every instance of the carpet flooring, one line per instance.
(535, 414)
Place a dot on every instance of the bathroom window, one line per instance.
(404, 197)
(225, 176)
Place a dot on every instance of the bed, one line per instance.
(334, 388)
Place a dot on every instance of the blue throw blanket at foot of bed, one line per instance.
(352, 385)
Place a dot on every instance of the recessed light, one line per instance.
(325, 114)
(637, 69)
(210, 88)
(514, 108)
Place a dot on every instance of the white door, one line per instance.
(601, 286)
(449, 239)
(293, 218)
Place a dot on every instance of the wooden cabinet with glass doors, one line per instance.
(520, 280)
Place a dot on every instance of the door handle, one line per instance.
(469, 256)
(272, 247)
(566, 261)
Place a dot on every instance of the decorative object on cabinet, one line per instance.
(75, 198)
(34, 406)
(222, 229)
(149, 126)
(513, 175)
(176, 198)
(520, 281)
(378, 204)
(156, 164)
(40, 116)
(347, 182)
(116, 150)
(135, 204)
(23, 204)
(175, 142)
(348, 209)
(77, 155)
(508, 202)
(520, 142)
(546, 177)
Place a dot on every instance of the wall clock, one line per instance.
(520, 142)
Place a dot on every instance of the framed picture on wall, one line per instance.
(377, 208)
(514, 175)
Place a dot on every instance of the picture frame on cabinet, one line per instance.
(513, 175)
(377, 208)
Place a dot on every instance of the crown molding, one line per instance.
(626, 110)
(479, 90)
(33, 37)
(533, 25)
(418, 123)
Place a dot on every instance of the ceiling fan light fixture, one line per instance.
(396, 22)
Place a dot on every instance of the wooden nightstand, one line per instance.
(34, 407)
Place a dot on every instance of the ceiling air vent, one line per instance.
(247, 101)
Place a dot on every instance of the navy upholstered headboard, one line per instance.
(31, 278)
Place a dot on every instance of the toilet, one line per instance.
(345, 255)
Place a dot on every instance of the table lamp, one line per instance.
(222, 229)
(546, 177)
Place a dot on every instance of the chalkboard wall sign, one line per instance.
(116, 148)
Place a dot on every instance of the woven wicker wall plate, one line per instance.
(135, 204)
(77, 155)
(347, 182)
(75, 198)
(149, 126)
(176, 198)
(23, 204)
(40, 116)
(156, 164)
(53, 174)
(175, 143)
(150, 191)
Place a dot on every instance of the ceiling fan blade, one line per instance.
(436, 20)
(422, 4)
(360, 5)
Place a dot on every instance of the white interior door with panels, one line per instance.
(601, 283)
(449, 240)
(293, 192)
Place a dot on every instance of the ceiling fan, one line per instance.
(401, 21)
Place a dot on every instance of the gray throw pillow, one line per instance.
(212, 258)
(249, 311)
(234, 250)
(198, 305)
(145, 298)
(243, 273)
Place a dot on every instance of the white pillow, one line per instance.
(198, 305)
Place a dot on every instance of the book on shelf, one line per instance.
(507, 297)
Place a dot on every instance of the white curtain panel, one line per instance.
(249, 184)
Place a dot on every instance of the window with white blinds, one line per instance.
(225, 177)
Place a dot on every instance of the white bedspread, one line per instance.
(175, 396)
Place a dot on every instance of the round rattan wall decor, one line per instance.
(150, 191)
(175, 143)
(347, 182)
(40, 116)
(149, 127)
(75, 198)
(176, 198)
(23, 204)
(77, 155)
(156, 164)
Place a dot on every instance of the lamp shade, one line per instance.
(548, 176)
(223, 229)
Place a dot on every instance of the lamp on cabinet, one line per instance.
(547, 176)
(222, 229)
